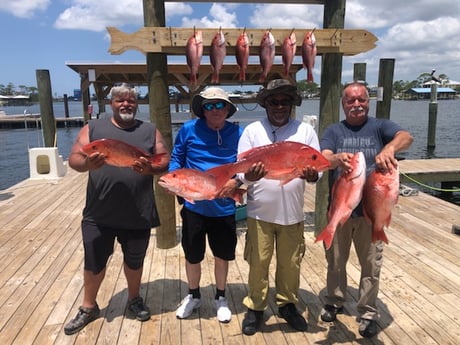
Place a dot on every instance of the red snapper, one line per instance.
(194, 185)
(119, 153)
(380, 194)
(283, 161)
(345, 196)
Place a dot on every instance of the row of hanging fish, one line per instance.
(218, 52)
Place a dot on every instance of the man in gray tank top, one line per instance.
(119, 202)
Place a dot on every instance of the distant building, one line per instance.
(425, 93)
(77, 95)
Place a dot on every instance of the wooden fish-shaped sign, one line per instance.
(173, 41)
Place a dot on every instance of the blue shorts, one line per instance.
(98, 243)
(221, 233)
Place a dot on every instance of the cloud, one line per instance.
(97, 15)
(287, 16)
(219, 16)
(24, 8)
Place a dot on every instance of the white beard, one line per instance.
(127, 117)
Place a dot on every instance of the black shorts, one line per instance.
(98, 242)
(221, 233)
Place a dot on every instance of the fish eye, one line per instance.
(314, 157)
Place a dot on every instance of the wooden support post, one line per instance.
(359, 71)
(66, 106)
(385, 85)
(432, 116)
(160, 114)
(46, 107)
(329, 106)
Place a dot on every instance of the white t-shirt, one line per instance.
(267, 200)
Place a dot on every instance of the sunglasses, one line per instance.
(211, 106)
(279, 102)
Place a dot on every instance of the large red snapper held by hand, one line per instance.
(283, 161)
(194, 185)
(119, 153)
(380, 194)
(345, 196)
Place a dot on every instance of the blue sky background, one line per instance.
(44, 34)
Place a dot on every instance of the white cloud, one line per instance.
(97, 15)
(287, 16)
(24, 8)
(219, 16)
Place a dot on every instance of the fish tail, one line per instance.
(326, 235)
(379, 236)
(156, 158)
(238, 195)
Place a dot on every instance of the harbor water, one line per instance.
(412, 115)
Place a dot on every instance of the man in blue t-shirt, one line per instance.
(201, 144)
(379, 140)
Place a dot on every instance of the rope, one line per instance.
(247, 109)
(431, 187)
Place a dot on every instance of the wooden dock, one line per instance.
(430, 170)
(41, 280)
(34, 121)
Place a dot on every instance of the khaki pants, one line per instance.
(370, 256)
(261, 240)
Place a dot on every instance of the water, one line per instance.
(412, 115)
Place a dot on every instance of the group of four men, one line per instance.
(120, 203)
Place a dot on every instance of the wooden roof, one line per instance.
(108, 74)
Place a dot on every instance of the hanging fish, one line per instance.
(288, 49)
(266, 54)
(217, 54)
(309, 53)
(194, 52)
(242, 54)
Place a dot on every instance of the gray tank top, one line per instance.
(119, 197)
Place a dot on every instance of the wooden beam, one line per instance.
(172, 41)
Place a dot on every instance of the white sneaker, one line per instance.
(187, 306)
(223, 312)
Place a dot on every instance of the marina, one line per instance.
(41, 279)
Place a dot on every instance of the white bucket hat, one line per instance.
(211, 94)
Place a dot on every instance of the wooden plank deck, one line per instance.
(430, 170)
(41, 280)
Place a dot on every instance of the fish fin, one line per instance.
(190, 200)
(327, 236)
(222, 173)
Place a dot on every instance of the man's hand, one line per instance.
(255, 172)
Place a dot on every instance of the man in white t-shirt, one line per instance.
(275, 212)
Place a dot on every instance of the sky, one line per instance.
(420, 35)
